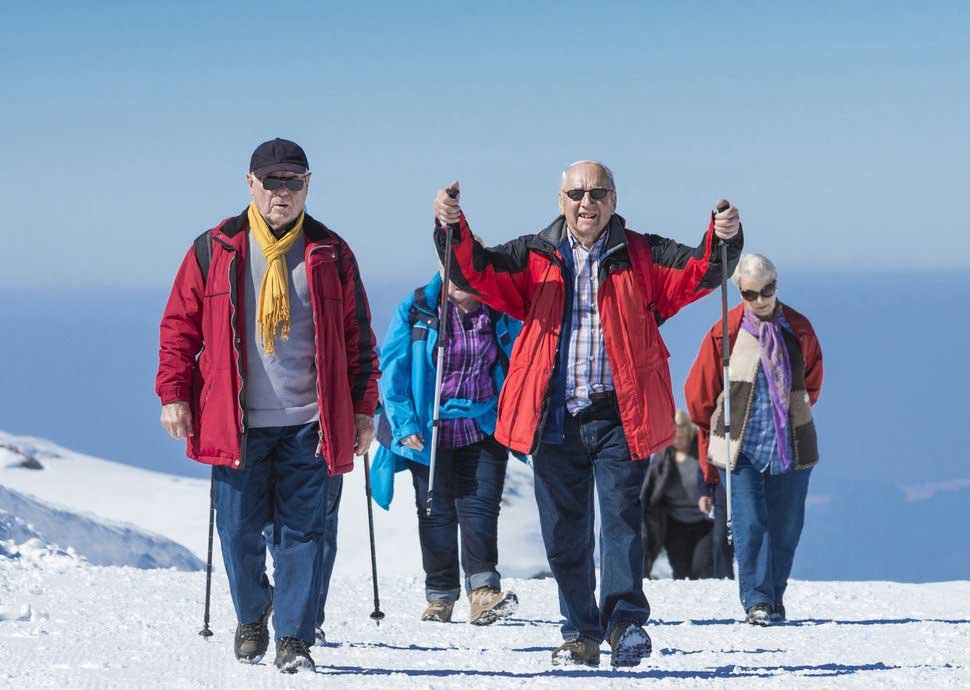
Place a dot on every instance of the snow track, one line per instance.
(96, 627)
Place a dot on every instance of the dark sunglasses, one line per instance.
(766, 292)
(294, 184)
(598, 194)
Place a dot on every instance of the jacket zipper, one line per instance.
(544, 410)
(241, 397)
(316, 352)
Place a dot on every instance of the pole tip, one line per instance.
(206, 633)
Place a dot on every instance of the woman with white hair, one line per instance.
(776, 377)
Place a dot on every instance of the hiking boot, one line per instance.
(252, 639)
(319, 637)
(488, 604)
(759, 614)
(292, 655)
(628, 645)
(578, 652)
(438, 611)
(778, 613)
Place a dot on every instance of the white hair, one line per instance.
(602, 166)
(755, 266)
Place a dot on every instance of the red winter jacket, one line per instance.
(644, 280)
(202, 358)
(705, 382)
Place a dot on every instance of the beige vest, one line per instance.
(745, 362)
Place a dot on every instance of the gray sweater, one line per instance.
(281, 387)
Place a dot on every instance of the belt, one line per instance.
(604, 407)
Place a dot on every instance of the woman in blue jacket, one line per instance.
(470, 467)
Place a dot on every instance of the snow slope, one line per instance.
(67, 623)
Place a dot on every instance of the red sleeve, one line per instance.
(812, 352)
(180, 338)
(683, 274)
(362, 365)
(704, 384)
(496, 275)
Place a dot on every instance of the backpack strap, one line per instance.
(202, 246)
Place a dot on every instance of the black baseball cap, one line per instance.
(278, 154)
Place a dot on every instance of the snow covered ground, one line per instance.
(66, 623)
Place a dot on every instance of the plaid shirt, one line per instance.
(759, 444)
(588, 369)
(469, 354)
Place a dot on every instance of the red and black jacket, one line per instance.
(202, 357)
(644, 280)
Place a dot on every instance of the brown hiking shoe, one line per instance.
(439, 611)
(578, 652)
(488, 604)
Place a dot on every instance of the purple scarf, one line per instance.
(777, 369)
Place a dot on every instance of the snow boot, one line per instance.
(759, 614)
(578, 652)
(252, 639)
(488, 604)
(778, 613)
(293, 655)
(438, 611)
(628, 645)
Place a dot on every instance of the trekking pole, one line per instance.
(377, 615)
(205, 632)
(440, 363)
(726, 394)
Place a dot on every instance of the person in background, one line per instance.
(470, 467)
(776, 377)
(672, 519)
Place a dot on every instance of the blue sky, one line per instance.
(840, 129)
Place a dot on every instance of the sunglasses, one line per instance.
(598, 194)
(766, 292)
(294, 184)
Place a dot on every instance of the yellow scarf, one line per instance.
(273, 306)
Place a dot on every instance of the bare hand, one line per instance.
(414, 442)
(177, 419)
(727, 219)
(364, 426)
(705, 504)
(446, 207)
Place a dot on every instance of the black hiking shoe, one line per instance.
(778, 613)
(628, 645)
(759, 614)
(252, 639)
(578, 652)
(293, 655)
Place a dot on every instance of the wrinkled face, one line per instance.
(682, 441)
(762, 307)
(279, 206)
(587, 217)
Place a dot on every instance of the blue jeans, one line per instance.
(768, 511)
(723, 552)
(594, 451)
(283, 484)
(467, 493)
(329, 551)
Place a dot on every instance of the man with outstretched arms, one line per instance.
(588, 392)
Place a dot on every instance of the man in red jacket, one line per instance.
(267, 368)
(588, 388)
